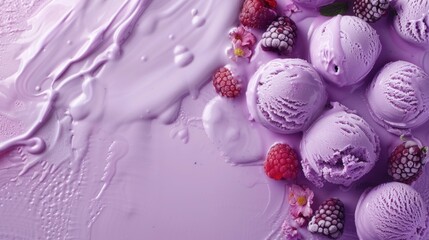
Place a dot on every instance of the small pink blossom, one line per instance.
(241, 50)
(290, 8)
(300, 221)
(240, 34)
(242, 44)
(300, 200)
(290, 230)
(238, 51)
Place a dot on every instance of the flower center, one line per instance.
(301, 200)
(239, 52)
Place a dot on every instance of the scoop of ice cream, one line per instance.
(393, 211)
(340, 147)
(399, 95)
(344, 49)
(286, 95)
(412, 21)
(313, 3)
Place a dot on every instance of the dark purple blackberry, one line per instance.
(328, 219)
(370, 10)
(406, 162)
(280, 36)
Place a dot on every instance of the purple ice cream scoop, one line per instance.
(399, 96)
(412, 21)
(393, 211)
(286, 95)
(344, 49)
(340, 147)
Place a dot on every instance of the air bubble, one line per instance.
(183, 57)
(198, 21)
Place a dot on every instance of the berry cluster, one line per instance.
(328, 219)
(370, 10)
(281, 162)
(406, 162)
(258, 13)
(280, 36)
(225, 83)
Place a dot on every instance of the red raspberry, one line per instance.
(328, 219)
(281, 162)
(258, 13)
(406, 162)
(225, 83)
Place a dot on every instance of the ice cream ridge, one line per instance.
(336, 95)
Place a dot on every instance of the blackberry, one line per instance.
(280, 36)
(328, 219)
(370, 10)
(406, 162)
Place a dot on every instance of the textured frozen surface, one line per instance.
(289, 95)
(13, 22)
(340, 147)
(391, 211)
(344, 49)
(399, 95)
(412, 21)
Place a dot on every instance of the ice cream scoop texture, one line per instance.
(393, 211)
(399, 96)
(412, 21)
(286, 95)
(340, 148)
(344, 49)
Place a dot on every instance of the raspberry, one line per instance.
(280, 36)
(258, 13)
(225, 83)
(406, 162)
(328, 219)
(281, 162)
(370, 10)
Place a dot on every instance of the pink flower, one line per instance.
(300, 200)
(290, 230)
(300, 221)
(242, 43)
(239, 51)
(290, 8)
(240, 34)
